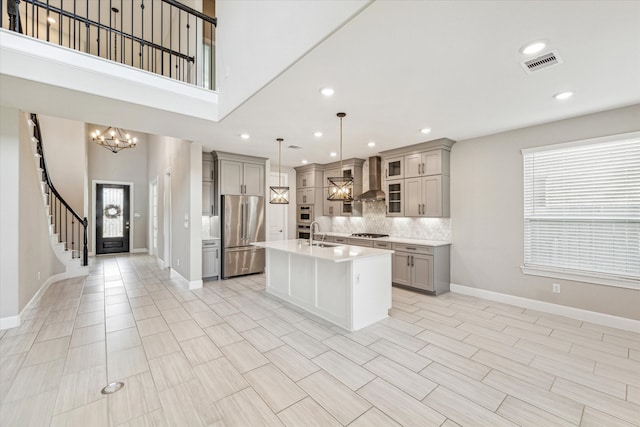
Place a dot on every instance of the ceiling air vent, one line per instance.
(295, 147)
(544, 61)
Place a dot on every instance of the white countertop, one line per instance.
(392, 239)
(338, 253)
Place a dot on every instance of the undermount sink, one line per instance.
(324, 245)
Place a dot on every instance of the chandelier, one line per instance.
(340, 187)
(279, 195)
(114, 139)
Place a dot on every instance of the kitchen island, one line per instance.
(349, 286)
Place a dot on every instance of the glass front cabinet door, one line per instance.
(394, 168)
(395, 205)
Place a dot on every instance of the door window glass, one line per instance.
(112, 220)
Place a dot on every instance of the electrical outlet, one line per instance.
(556, 288)
(38, 275)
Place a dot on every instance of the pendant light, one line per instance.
(279, 195)
(340, 187)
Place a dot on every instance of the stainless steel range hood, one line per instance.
(375, 193)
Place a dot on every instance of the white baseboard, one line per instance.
(160, 263)
(547, 307)
(193, 284)
(15, 321)
(9, 322)
(139, 251)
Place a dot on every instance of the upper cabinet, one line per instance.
(394, 167)
(417, 179)
(427, 163)
(238, 175)
(207, 184)
(312, 187)
(243, 178)
(207, 167)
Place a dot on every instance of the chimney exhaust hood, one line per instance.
(375, 193)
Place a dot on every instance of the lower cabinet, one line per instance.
(210, 258)
(421, 267)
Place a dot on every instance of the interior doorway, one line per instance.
(166, 219)
(112, 218)
(153, 226)
(278, 214)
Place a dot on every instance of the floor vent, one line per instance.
(544, 61)
(295, 147)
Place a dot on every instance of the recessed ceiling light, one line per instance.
(304, 162)
(317, 134)
(245, 136)
(327, 91)
(51, 20)
(563, 95)
(533, 47)
(371, 144)
(425, 130)
(333, 154)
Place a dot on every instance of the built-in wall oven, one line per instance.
(305, 214)
(303, 231)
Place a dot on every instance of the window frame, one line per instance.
(586, 276)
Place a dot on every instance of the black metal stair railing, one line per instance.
(70, 227)
(161, 36)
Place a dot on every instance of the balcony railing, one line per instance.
(161, 36)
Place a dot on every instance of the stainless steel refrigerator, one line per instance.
(242, 223)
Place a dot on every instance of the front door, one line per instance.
(112, 218)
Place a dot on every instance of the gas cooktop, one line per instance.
(370, 235)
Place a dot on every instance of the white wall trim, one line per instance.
(15, 321)
(193, 284)
(9, 322)
(547, 307)
(139, 251)
(160, 263)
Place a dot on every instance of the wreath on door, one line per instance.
(112, 211)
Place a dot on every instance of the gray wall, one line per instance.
(129, 165)
(487, 214)
(34, 249)
(65, 148)
(184, 159)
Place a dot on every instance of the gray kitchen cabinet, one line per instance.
(427, 196)
(395, 197)
(308, 179)
(425, 185)
(394, 168)
(426, 163)
(360, 242)
(421, 267)
(207, 167)
(207, 184)
(210, 258)
(238, 177)
(309, 196)
(207, 198)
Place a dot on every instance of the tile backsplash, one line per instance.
(210, 226)
(374, 220)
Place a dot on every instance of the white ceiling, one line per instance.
(452, 66)
(399, 66)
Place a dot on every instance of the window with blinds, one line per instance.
(582, 208)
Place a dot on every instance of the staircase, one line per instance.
(67, 230)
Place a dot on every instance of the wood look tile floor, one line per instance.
(231, 355)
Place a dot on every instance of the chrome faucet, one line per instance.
(311, 234)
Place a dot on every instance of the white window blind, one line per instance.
(582, 207)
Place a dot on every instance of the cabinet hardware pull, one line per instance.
(408, 260)
(423, 208)
(411, 249)
(386, 173)
(411, 260)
